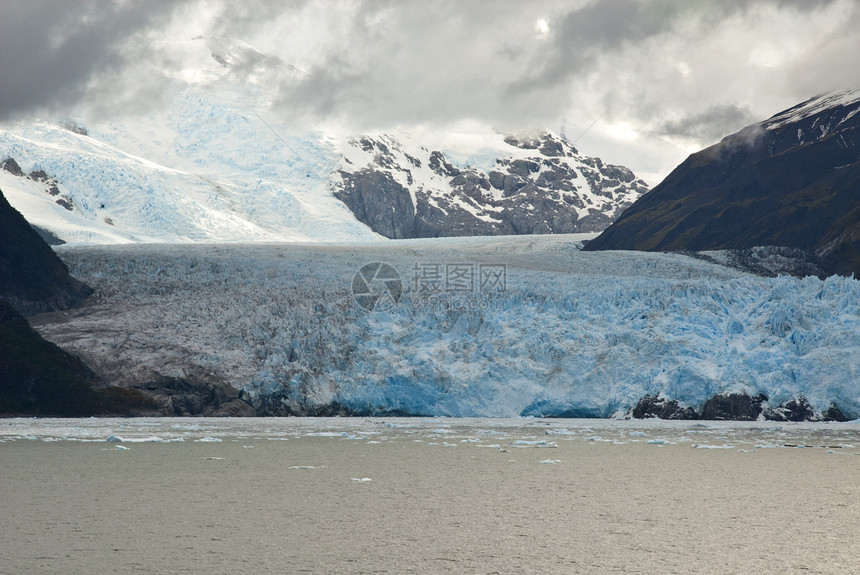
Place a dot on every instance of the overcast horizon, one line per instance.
(637, 82)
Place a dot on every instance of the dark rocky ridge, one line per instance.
(32, 278)
(39, 378)
(552, 190)
(792, 181)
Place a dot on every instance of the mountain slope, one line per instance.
(792, 180)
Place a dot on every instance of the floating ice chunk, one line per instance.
(360, 479)
(305, 467)
(560, 432)
(327, 434)
(208, 440)
(121, 447)
(442, 430)
(658, 442)
(707, 446)
(113, 439)
(535, 443)
(551, 461)
(212, 458)
(637, 434)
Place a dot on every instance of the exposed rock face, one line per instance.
(654, 406)
(32, 278)
(833, 413)
(542, 185)
(795, 410)
(197, 396)
(733, 406)
(52, 186)
(791, 181)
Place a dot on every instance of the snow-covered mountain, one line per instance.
(216, 163)
(791, 182)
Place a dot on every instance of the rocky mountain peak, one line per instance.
(537, 183)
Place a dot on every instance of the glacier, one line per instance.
(575, 334)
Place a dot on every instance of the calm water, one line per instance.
(427, 496)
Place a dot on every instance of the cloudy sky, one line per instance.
(637, 82)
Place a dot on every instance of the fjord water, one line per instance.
(358, 495)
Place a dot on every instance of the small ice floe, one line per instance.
(709, 446)
(360, 479)
(637, 434)
(123, 448)
(114, 439)
(535, 443)
(327, 434)
(305, 467)
(551, 461)
(746, 450)
(212, 458)
(248, 446)
(442, 430)
(208, 440)
(595, 438)
(766, 446)
(401, 426)
(560, 431)
(658, 442)
(472, 440)
(374, 442)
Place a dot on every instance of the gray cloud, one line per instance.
(50, 49)
(709, 125)
(696, 69)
